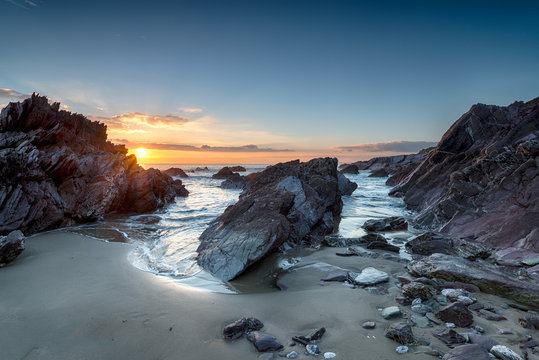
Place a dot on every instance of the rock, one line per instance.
(368, 325)
(237, 168)
(11, 246)
(529, 322)
(456, 313)
(416, 290)
(175, 172)
(504, 353)
(339, 241)
(312, 349)
(432, 317)
(346, 187)
(399, 165)
(329, 355)
(401, 333)
(421, 309)
(379, 173)
(490, 315)
(313, 336)
(379, 245)
(292, 355)
(401, 349)
(483, 341)
(391, 312)
(225, 173)
(239, 327)
(449, 336)
(264, 342)
(480, 181)
(234, 182)
(467, 352)
(57, 168)
(489, 278)
(392, 223)
(430, 243)
(371, 276)
(350, 169)
(420, 321)
(458, 295)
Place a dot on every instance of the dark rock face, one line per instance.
(350, 169)
(416, 290)
(177, 172)
(239, 327)
(379, 173)
(285, 202)
(11, 246)
(388, 224)
(400, 332)
(225, 173)
(489, 278)
(57, 168)
(346, 187)
(264, 342)
(467, 352)
(481, 180)
(430, 243)
(449, 336)
(456, 313)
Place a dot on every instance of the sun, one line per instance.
(141, 153)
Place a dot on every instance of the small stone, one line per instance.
(292, 355)
(401, 333)
(465, 300)
(505, 306)
(368, 325)
(329, 355)
(421, 309)
(391, 312)
(264, 342)
(401, 349)
(404, 301)
(416, 301)
(456, 313)
(476, 306)
(467, 352)
(449, 336)
(490, 315)
(504, 353)
(432, 317)
(504, 331)
(371, 276)
(450, 325)
(441, 299)
(236, 329)
(312, 349)
(416, 289)
(479, 329)
(420, 321)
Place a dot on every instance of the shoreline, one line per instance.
(72, 297)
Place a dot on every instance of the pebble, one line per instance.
(421, 309)
(292, 355)
(479, 329)
(390, 312)
(420, 321)
(401, 349)
(504, 353)
(450, 325)
(504, 331)
(368, 325)
(312, 349)
(329, 355)
(371, 276)
(416, 301)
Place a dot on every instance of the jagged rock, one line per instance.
(225, 173)
(371, 276)
(350, 169)
(416, 290)
(504, 353)
(379, 173)
(234, 182)
(57, 168)
(487, 277)
(483, 341)
(239, 327)
(485, 314)
(456, 313)
(430, 243)
(388, 224)
(449, 336)
(393, 164)
(237, 168)
(264, 342)
(11, 246)
(467, 352)
(391, 312)
(285, 202)
(316, 334)
(177, 172)
(458, 294)
(346, 187)
(481, 182)
(401, 333)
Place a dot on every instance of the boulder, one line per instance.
(379, 173)
(264, 342)
(225, 173)
(456, 313)
(480, 182)
(489, 278)
(400, 332)
(175, 172)
(391, 312)
(371, 276)
(467, 352)
(234, 182)
(350, 169)
(430, 243)
(392, 223)
(346, 187)
(11, 246)
(57, 168)
(237, 168)
(239, 327)
(286, 202)
(449, 336)
(504, 353)
(485, 342)
(416, 290)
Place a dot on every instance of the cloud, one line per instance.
(182, 147)
(390, 146)
(131, 123)
(191, 110)
(25, 4)
(13, 94)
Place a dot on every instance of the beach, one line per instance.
(72, 297)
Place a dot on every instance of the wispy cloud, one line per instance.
(182, 147)
(191, 110)
(13, 94)
(24, 4)
(133, 122)
(390, 146)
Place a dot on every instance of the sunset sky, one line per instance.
(268, 81)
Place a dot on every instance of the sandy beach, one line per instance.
(72, 297)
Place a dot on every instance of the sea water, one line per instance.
(165, 241)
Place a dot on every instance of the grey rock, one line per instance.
(371, 276)
(401, 333)
(420, 321)
(467, 352)
(368, 325)
(483, 341)
(456, 313)
(312, 349)
(449, 336)
(11, 246)
(421, 309)
(239, 327)
(346, 187)
(264, 342)
(416, 290)
(391, 312)
(504, 353)
(485, 314)
(387, 224)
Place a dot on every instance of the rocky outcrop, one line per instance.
(176, 172)
(57, 168)
(286, 202)
(349, 169)
(234, 182)
(238, 168)
(346, 187)
(225, 173)
(489, 278)
(480, 181)
(11, 246)
(393, 223)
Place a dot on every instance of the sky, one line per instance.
(268, 81)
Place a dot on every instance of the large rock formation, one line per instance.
(57, 168)
(285, 202)
(480, 181)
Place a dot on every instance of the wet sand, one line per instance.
(72, 297)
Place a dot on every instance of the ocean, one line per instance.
(165, 241)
